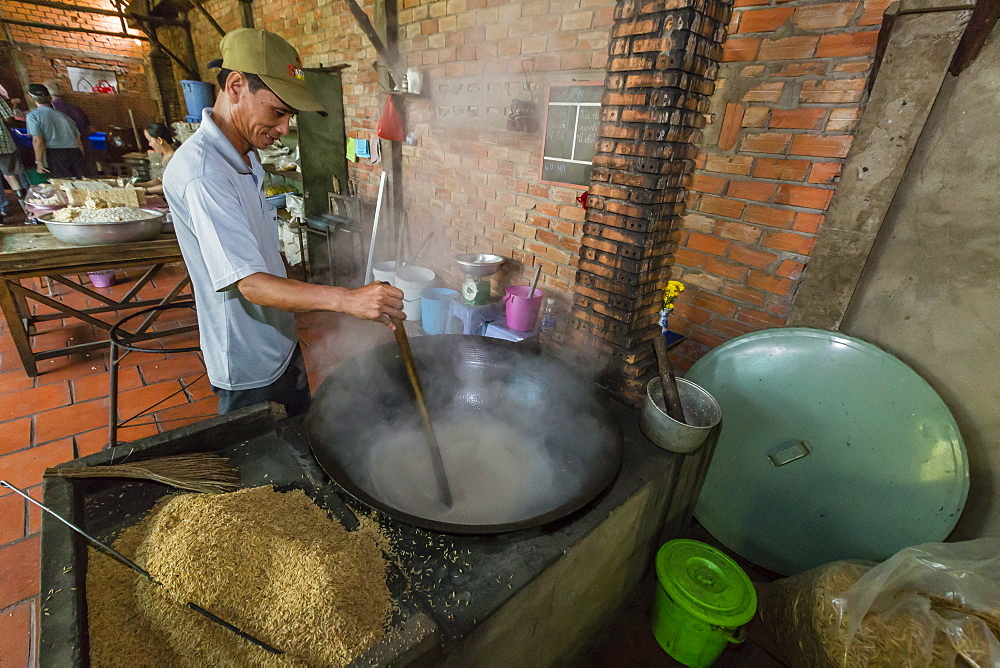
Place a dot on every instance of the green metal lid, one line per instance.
(706, 583)
(831, 448)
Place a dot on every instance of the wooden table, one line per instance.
(32, 252)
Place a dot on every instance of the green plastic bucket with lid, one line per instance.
(702, 599)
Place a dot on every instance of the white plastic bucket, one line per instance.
(413, 281)
(384, 271)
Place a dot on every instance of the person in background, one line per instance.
(54, 136)
(10, 162)
(229, 236)
(78, 115)
(160, 137)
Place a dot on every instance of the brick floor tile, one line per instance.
(10, 362)
(175, 366)
(128, 434)
(93, 441)
(95, 385)
(141, 399)
(69, 420)
(136, 359)
(90, 442)
(73, 366)
(199, 389)
(56, 338)
(11, 519)
(19, 571)
(179, 416)
(16, 435)
(24, 468)
(48, 325)
(35, 400)
(15, 636)
(185, 340)
(12, 381)
(34, 512)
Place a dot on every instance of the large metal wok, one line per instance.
(562, 415)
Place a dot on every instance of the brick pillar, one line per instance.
(663, 58)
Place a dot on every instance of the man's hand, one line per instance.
(375, 301)
(40, 168)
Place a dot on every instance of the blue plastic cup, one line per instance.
(435, 306)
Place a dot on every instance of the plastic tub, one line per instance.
(197, 96)
(413, 281)
(701, 600)
(98, 141)
(435, 309)
(522, 310)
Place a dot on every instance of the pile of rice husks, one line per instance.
(805, 624)
(274, 564)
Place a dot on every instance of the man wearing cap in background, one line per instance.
(56, 139)
(76, 114)
(229, 235)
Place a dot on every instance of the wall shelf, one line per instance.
(290, 174)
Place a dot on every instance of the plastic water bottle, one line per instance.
(548, 321)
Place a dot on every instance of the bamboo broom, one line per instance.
(198, 472)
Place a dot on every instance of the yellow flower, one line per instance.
(670, 293)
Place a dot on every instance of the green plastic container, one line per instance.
(702, 600)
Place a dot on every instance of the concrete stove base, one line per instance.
(532, 597)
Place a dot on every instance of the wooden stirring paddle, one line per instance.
(440, 477)
(671, 397)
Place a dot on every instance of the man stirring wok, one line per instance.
(228, 234)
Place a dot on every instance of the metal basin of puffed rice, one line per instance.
(106, 233)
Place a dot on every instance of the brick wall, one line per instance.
(472, 182)
(788, 101)
(70, 40)
(49, 64)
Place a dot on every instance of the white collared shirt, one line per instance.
(227, 231)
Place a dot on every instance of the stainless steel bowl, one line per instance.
(479, 264)
(106, 234)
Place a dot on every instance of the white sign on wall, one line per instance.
(92, 81)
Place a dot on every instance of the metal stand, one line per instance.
(123, 342)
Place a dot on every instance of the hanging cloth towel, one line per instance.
(361, 148)
(376, 145)
(352, 151)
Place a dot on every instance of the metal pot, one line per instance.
(105, 234)
(566, 425)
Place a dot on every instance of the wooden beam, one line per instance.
(211, 19)
(151, 33)
(246, 13)
(984, 18)
(106, 12)
(387, 25)
(58, 28)
(390, 57)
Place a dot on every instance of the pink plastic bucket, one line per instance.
(102, 279)
(522, 310)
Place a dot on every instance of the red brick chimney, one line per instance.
(663, 59)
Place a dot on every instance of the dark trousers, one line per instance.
(291, 390)
(64, 163)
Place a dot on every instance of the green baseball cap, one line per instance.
(271, 58)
